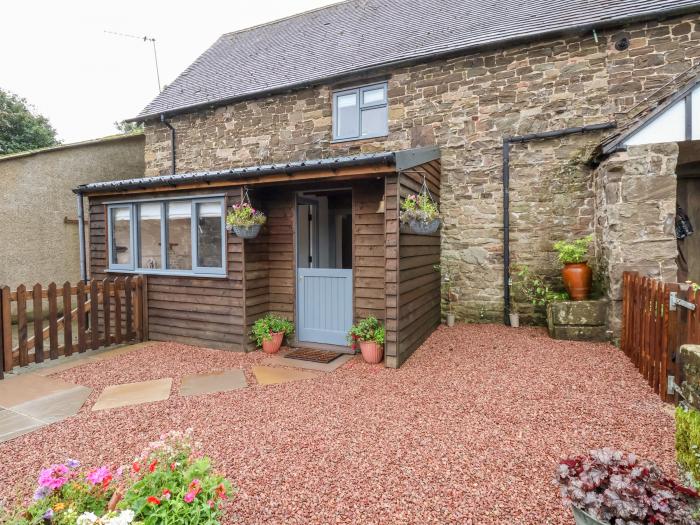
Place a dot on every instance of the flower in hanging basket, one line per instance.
(243, 214)
(419, 208)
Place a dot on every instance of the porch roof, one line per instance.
(399, 160)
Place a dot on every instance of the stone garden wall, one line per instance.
(465, 105)
(635, 210)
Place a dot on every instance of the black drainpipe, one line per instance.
(172, 139)
(507, 141)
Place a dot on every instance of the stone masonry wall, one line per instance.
(635, 210)
(465, 105)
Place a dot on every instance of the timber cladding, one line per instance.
(413, 283)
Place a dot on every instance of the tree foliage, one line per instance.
(20, 128)
(128, 127)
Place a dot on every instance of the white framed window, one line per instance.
(168, 237)
(360, 112)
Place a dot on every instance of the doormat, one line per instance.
(317, 356)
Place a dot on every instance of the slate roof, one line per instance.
(359, 35)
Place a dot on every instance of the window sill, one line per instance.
(169, 274)
(358, 139)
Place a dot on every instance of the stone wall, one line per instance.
(466, 105)
(690, 386)
(37, 198)
(635, 210)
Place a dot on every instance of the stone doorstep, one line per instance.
(281, 360)
(579, 313)
(270, 375)
(212, 383)
(579, 333)
(130, 394)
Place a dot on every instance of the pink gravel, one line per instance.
(468, 431)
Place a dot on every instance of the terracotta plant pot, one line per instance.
(372, 352)
(272, 346)
(577, 280)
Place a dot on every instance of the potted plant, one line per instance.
(269, 331)
(447, 273)
(369, 333)
(576, 273)
(609, 487)
(244, 220)
(421, 213)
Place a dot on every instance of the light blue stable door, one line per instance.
(324, 311)
(324, 267)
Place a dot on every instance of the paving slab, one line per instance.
(23, 388)
(130, 394)
(281, 360)
(55, 407)
(222, 381)
(13, 425)
(271, 375)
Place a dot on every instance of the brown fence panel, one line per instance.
(95, 310)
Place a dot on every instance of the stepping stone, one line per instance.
(270, 375)
(30, 387)
(130, 394)
(13, 425)
(223, 381)
(55, 407)
(281, 360)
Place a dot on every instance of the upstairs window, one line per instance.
(180, 237)
(360, 113)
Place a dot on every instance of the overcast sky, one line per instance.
(57, 55)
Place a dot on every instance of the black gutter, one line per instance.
(172, 140)
(507, 141)
(376, 68)
(237, 174)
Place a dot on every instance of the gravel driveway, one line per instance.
(467, 431)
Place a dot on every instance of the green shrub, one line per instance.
(575, 251)
(368, 329)
(688, 442)
(266, 326)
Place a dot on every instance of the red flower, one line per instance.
(166, 494)
(136, 467)
(173, 466)
(106, 481)
(152, 466)
(221, 491)
(153, 500)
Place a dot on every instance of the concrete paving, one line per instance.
(271, 375)
(222, 381)
(129, 394)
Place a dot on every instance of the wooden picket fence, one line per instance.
(653, 331)
(99, 313)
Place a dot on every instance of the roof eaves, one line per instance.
(432, 55)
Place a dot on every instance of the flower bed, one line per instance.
(170, 482)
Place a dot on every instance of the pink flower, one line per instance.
(100, 475)
(189, 497)
(54, 477)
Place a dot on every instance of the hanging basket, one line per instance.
(421, 212)
(424, 227)
(247, 232)
(244, 212)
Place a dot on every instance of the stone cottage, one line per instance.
(549, 85)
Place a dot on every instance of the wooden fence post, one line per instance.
(6, 320)
(94, 315)
(128, 306)
(144, 308)
(118, 285)
(82, 345)
(67, 320)
(107, 311)
(53, 321)
(38, 313)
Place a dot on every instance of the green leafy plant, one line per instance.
(264, 327)
(688, 442)
(419, 207)
(171, 483)
(367, 330)
(243, 214)
(532, 288)
(575, 251)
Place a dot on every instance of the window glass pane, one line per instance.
(209, 235)
(373, 96)
(346, 116)
(149, 235)
(179, 235)
(121, 235)
(374, 121)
